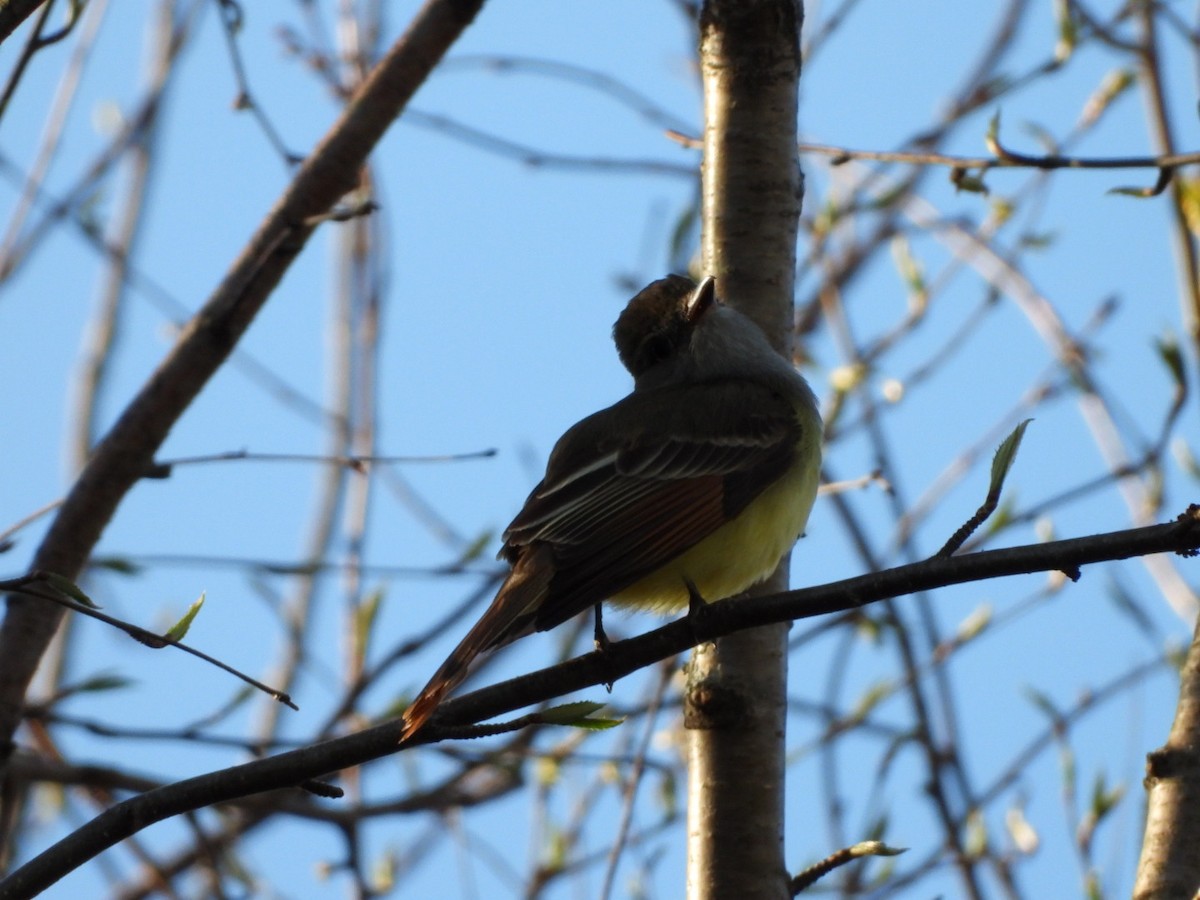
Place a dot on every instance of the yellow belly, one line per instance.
(743, 551)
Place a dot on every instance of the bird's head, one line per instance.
(657, 325)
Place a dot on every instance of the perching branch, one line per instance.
(293, 768)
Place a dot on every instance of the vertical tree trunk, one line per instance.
(1170, 864)
(736, 696)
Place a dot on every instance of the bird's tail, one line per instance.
(509, 617)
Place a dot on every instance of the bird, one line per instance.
(693, 486)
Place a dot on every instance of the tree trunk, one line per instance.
(736, 696)
(1170, 865)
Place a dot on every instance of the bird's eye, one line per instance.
(657, 348)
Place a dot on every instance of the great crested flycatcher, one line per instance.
(704, 476)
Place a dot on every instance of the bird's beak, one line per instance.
(702, 299)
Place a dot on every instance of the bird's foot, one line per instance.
(602, 643)
(696, 601)
(697, 606)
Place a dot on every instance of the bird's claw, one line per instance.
(696, 601)
(602, 642)
(600, 637)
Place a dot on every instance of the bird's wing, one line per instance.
(618, 503)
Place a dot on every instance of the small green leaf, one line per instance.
(963, 180)
(70, 588)
(994, 87)
(1066, 762)
(869, 628)
(1185, 458)
(1006, 453)
(567, 711)
(1045, 530)
(875, 848)
(1068, 31)
(475, 548)
(383, 872)
(89, 212)
(877, 827)
(1038, 240)
(668, 794)
(681, 234)
(847, 378)
(1168, 351)
(1115, 84)
(1042, 135)
(557, 849)
(226, 709)
(596, 724)
(1142, 193)
(1189, 202)
(396, 708)
(890, 197)
(1105, 799)
(977, 835)
(547, 771)
(1023, 835)
(576, 715)
(364, 617)
(1043, 703)
(1126, 603)
(97, 683)
(118, 564)
(992, 138)
(826, 218)
(911, 273)
(177, 631)
(871, 698)
(1003, 515)
(975, 623)
(1176, 654)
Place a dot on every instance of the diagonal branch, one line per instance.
(293, 768)
(13, 13)
(124, 455)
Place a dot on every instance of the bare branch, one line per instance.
(621, 658)
(121, 458)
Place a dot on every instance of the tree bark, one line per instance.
(1170, 864)
(735, 706)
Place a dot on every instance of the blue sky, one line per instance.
(504, 281)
